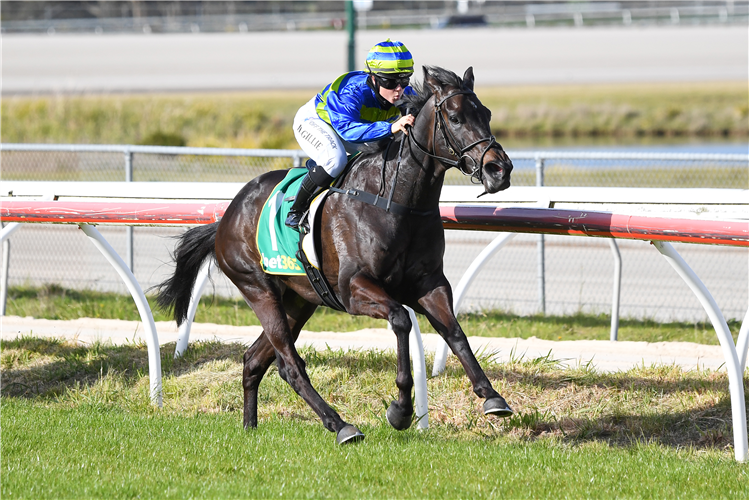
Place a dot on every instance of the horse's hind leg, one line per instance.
(368, 298)
(267, 303)
(260, 355)
(437, 305)
(257, 360)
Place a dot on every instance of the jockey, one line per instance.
(356, 108)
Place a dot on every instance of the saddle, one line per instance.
(284, 251)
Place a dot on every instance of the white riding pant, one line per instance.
(320, 141)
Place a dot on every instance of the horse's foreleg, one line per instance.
(368, 298)
(437, 305)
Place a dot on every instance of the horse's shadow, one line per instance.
(52, 366)
(659, 404)
(36, 367)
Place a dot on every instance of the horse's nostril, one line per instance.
(493, 168)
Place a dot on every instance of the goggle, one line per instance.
(392, 83)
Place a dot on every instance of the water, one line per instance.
(631, 145)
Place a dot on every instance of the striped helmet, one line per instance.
(390, 57)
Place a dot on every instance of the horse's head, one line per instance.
(461, 136)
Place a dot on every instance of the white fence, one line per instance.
(555, 274)
(721, 217)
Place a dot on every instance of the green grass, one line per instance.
(263, 119)
(77, 422)
(619, 110)
(106, 454)
(55, 302)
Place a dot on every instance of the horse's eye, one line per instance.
(454, 119)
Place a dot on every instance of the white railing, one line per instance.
(28, 161)
(126, 204)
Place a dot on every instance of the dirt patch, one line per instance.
(604, 355)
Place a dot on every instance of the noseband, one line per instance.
(476, 172)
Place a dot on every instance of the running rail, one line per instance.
(485, 217)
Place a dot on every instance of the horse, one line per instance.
(376, 255)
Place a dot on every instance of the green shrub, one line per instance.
(160, 138)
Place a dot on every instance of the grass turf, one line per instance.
(85, 452)
(77, 422)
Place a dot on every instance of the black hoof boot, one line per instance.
(398, 418)
(497, 407)
(294, 219)
(349, 434)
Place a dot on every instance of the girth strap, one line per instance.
(318, 281)
(380, 202)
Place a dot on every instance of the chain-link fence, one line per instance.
(579, 271)
(197, 17)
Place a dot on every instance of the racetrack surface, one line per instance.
(311, 59)
(603, 355)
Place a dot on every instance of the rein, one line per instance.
(386, 204)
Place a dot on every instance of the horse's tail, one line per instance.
(194, 247)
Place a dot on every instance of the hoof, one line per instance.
(349, 434)
(497, 407)
(397, 418)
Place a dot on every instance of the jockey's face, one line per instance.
(390, 95)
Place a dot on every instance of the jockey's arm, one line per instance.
(345, 116)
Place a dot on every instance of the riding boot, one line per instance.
(301, 203)
(314, 182)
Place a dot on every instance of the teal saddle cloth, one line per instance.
(276, 242)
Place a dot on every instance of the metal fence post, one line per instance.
(617, 293)
(5, 269)
(296, 159)
(129, 254)
(541, 246)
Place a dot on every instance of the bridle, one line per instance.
(475, 172)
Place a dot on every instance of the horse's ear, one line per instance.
(468, 78)
(434, 85)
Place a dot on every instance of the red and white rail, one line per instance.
(644, 214)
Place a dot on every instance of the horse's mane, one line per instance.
(415, 102)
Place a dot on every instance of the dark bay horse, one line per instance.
(375, 259)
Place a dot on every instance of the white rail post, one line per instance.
(617, 289)
(541, 247)
(440, 356)
(183, 338)
(420, 372)
(129, 255)
(735, 376)
(7, 230)
(4, 279)
(152, 339)
(296, 159)
(742, 344)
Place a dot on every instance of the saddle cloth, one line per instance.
(278, 243)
